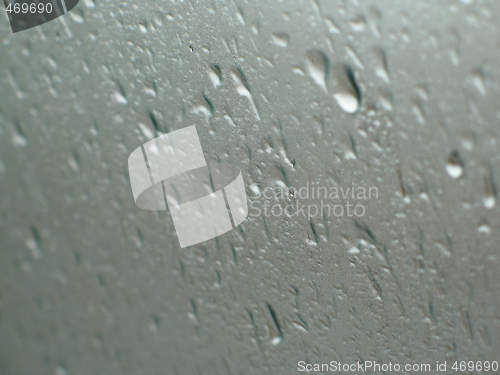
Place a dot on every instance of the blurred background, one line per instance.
(398, 95)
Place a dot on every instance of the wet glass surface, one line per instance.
(366, 134)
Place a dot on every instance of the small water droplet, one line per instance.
(332, 26)
(298, 70)
(202, 106)
(18, 137)
(484, 228)
(33, 243)
(77, 15)
(255, 28)
(489, 201)
(146, 131)
(142, 27)
(385, 100)
(353, 250)
(74, 161)
(353, 56)
(239, 16)
(358, 24)
(280, 39)
(374, 20)
(119, 94)
(418, 111)
(277, 340)
(381, 65)
(477, 79)
(254, 188)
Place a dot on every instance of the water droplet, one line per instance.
(489, 201)
(119, 94)
(381, 65)
(347, 92)
(358, 24)
(277, 340)
(202, 106)
(150, 88)
(477, 79)
(243, 89)
(422, 92)
(239, 16)
(385, 100)
(353, 250)
(374, 20)
(332, 26)
(254, 188)
(155, 325)
(418, 111)
(484, 228)
(85, 66)
(454, 166)
(18, 137)
(146, 131)
(33, 243)
(215, 75)
(77, 15)
(120, 98)
(273, 325)
(255, 28)
(74, 161)
(52, 62)
(11, 77)
(298, 70)
(354, 57)
(490, 190)
(280, 39)
(318, 67)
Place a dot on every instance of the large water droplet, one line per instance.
(318, 66)
(215, 75)
(346, 90)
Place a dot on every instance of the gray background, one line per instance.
(91, 284)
